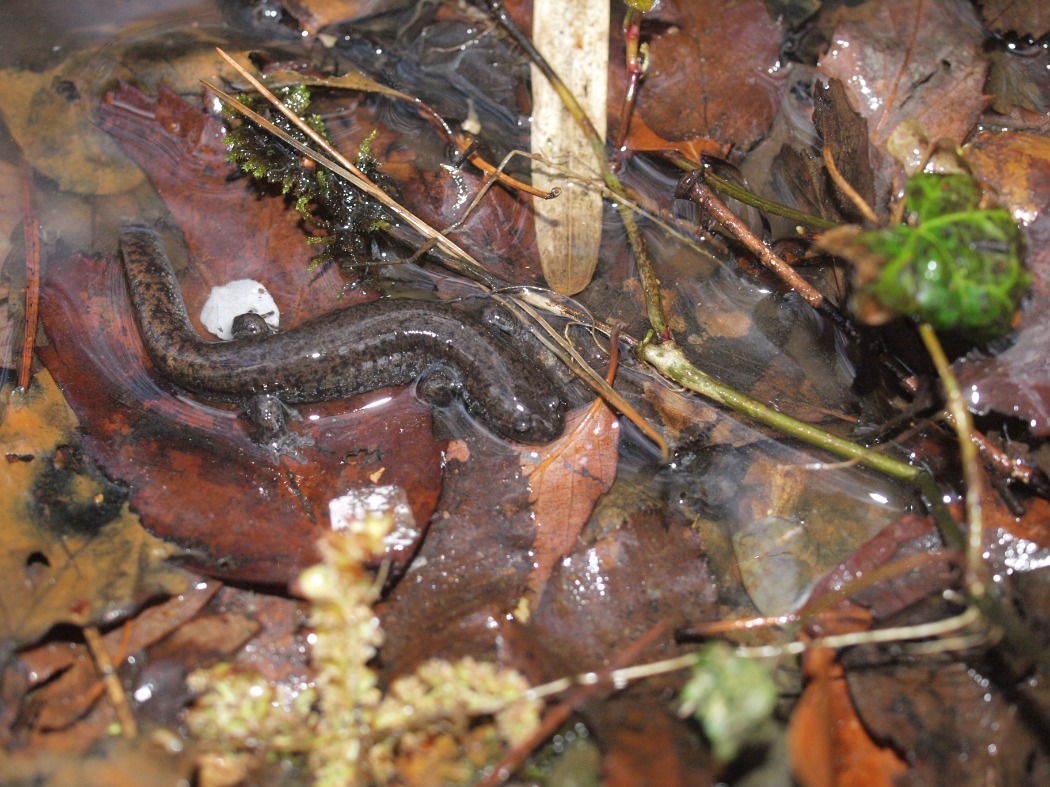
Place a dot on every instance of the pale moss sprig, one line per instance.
(349, 729)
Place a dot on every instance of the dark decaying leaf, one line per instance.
(802, 170)
(844, 132)
(708, 76)
(1019, 79)
(931, 712)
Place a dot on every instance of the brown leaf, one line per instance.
(73, 552)
(909, 536)
(827, 742)
(69, 697)
(145, 629)
(1016, 167)
(566, 479)
(1019, 79)
(709, 72)
(902, 60)
(473, 566)
(845, 133)
(1023, 17)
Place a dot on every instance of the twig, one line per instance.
(128, 726)
(973, 473)
(31, 230)
(693, 187)
(732, 190)
(844, 186)
(637, 63)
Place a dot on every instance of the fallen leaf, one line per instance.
(1018, 79)
(51, 123)
(828, 744)
(642, 139)
(195, 475)
(230, 231)
(709, 72)
(1022, 17)
(72, 550)
(933, 711)
(151, 625)
(904, 60)
(845, 133)
(574, 39)
(566, 479)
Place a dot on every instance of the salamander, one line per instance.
(340, 354)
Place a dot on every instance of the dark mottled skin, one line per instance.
(340, 354)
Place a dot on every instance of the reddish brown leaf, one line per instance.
(473, 565)
(231, 230)
(902, 60)
(709, 75)
(827, 742)
(567, 478)
(196, 476)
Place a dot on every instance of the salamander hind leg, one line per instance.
(439, 385)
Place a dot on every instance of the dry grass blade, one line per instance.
(574, 39)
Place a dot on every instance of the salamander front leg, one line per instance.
(267, 416)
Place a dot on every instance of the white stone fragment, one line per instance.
(227, 301)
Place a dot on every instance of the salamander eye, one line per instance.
(523, 424)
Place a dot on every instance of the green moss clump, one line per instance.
(345, 218)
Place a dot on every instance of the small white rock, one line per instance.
(238, 297)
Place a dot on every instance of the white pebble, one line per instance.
(235, 298)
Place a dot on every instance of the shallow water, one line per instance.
(725, 476)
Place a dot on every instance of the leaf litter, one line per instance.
(645, 550)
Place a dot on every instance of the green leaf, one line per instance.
(952, 264)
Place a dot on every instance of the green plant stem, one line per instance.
(670, 361)
(1016, 631)
(730, 189)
